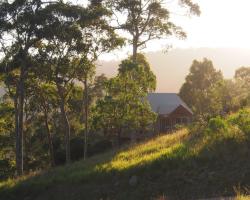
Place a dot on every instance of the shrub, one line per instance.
(6, 169)
(217, 124)
(242, 120)
(196, 128)
(60, 156)
(179, 126)
(76, 148)
(100, 147)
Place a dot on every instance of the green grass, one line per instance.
(183, 165)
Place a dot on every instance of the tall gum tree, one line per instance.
(20, 23)
(75, 36)
(98, 38)
(146, 20)
(123, 108)
(200, 90)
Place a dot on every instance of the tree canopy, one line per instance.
(146, 20)
(201, 88)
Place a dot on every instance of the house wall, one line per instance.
(180, 115)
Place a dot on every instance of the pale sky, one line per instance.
(221, 33)
(223, 23)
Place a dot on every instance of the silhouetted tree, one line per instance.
(146, 20)
(201, 90)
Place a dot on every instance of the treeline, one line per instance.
(209, 94)
(53, 98)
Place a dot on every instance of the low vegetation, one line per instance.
(198, 162)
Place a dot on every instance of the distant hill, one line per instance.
(204, 163)
(172, 67)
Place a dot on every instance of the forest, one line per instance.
(56, 110)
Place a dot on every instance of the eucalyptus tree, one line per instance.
(146, 20)
(124, 107)
(74, 37)
(20, 27)
(242, 78)
(43, 101)
(201, 90)
(98, 38)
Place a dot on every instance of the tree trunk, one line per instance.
(20, 124)
(65, 124)
(86, 118)
(135, 47)
(51, 149)
(17, 130)
(67, 131)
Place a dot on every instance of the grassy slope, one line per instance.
(178, 166)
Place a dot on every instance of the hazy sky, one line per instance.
(223, 23)
(221, 33)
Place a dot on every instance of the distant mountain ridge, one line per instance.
(172, 67)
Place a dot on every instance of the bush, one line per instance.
(179, 126)
(6, 169)
(242, 120)
(60, 156)
(100, 147)
(217, 125)
(76, 148)
(59, 151)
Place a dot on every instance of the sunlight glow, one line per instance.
(222, 24)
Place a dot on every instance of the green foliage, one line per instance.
(100, 146)
(231, 93)
(6, 118)
(140, 73)
(7, 169)
(242, 79)
(124, 108)
(7, 158)
(217, 125)
(202, 89)
(242, 120)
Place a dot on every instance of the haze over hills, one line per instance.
(172, 67)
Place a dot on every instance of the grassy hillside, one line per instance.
(199, 163)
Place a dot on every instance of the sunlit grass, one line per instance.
(146, 153)
(243, 197)
(197, 162)
(134, 156)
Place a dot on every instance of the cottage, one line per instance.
(171, 110)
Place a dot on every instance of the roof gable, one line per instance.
(165, 103)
